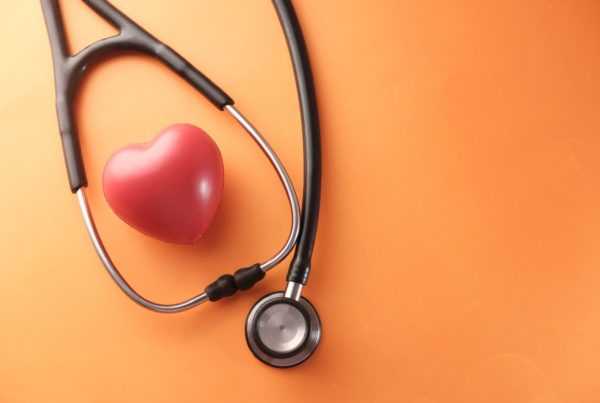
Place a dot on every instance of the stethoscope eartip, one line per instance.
(281, 331)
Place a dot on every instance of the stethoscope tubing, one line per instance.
(311, 135)
(68, 71)
(131, 37)
(113, 271)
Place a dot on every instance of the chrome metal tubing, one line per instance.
(114, 272)
(200, 298)
(293, 290)
(286, 182)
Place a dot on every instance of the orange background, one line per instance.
(458, 253)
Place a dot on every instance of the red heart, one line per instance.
(169, 188)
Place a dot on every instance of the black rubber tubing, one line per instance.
(68, 71)
(301, 263)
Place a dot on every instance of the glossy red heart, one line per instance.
(169, 188)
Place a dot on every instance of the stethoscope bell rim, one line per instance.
(298, 354)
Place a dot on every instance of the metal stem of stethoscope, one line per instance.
(203, 297)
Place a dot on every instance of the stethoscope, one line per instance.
(283, 329)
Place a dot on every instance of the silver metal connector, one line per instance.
(293, 290)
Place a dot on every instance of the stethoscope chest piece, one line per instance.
(281, 331)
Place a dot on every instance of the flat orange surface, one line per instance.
(458, 255)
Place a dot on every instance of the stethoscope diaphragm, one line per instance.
(281, 331)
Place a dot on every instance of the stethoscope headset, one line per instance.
(283, 329)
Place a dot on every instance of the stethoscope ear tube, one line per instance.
(65, 89)
(68, 71)
(300, 265)
(152, 46)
